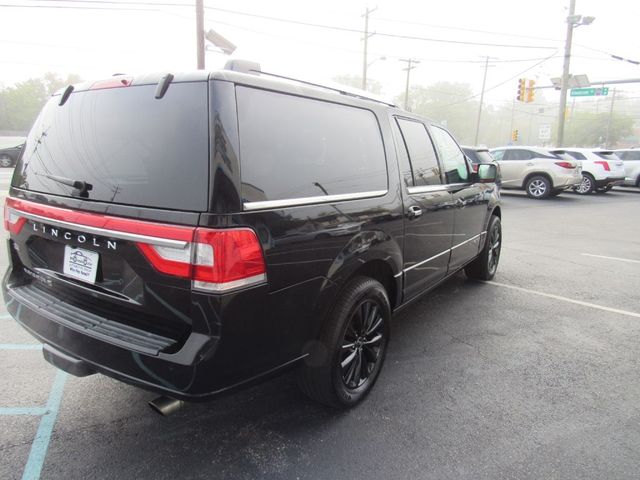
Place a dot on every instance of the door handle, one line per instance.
(414, 212)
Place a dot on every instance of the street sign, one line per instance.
(590, 92)
(544, 133)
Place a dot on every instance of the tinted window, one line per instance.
(517, 154)
(498, 154)
(293, 147)
(629, 155)
(484, 157)
(607, 155)
(424, 162)
(132, 148)
(577, 155)
(453, 161)
(472, 155)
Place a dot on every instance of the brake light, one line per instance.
(604, 164)
(566, 165)
(474, 167)
(115, 82)
(215, 260)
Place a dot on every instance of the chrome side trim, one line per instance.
(469, 240)
(133, 237)
(427, 260)
(443, 253)
(295, 202)
(427, 189)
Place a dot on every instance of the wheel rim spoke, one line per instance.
(349, 359)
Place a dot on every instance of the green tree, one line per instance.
(448, 103)
(21, 103)
(587, 129)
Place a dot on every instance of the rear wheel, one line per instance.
(538, 187)
(587, 186)
(348, 357)
(484, 267)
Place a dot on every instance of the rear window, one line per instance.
(129, 146)
(629, 154)
(484, 157)
(294, 147)
(607, 155)
(577, 155)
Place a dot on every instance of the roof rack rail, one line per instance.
(334, 89)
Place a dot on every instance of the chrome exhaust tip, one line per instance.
(165, 406)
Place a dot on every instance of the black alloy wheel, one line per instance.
(485, 266)
(362, 344)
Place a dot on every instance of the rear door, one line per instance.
(428, 205)
(468, 198)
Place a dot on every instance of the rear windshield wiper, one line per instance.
(82, 187)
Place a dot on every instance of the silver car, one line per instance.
(631, 159)
(536, 170)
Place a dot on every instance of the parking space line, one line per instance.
(20, 346)
(40, 444)
(566, 299)
(611, 258)
(36, 411)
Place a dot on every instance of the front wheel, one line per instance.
(538, 187)
(485, 265)
(344, 364)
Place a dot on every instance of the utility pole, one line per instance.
(410, 66)
(200, 33)
(366, 41)
(613, 99)
(513, 111)
(484, 82)
(565, 73)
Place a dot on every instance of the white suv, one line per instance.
(536, 170)
(601, 169)
(631, 159)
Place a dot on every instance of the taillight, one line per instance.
(13, 222)
(474, 166)
(226, 259)
(115, 82)
(215, 260)
(566, 165)
(604, 164)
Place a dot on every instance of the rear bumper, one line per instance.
(609, 181)
(196, 372)
(567, 181)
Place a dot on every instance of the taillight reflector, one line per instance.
(566, 165)
(604, 164)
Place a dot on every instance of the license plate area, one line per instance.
(81, 264)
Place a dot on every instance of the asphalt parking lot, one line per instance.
(535, 375)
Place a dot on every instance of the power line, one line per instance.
(116, 4)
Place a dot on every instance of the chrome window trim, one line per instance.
(296, 202)
(133, 237)
(426, 189)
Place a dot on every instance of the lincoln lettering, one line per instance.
(81, 239)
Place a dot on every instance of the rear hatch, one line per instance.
(614, 166)
(104, 206)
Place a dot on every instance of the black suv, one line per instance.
(234, 224)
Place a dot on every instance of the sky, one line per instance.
(450, 39)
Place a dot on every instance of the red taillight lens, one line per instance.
(13, 222)
(474, 166)
(226, 259)
(566, 165)
(604, 164)
(115, 82)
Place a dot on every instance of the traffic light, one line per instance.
(531, 93)
(514, 135)
(521, 89)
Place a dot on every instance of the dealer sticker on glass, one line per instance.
(81, 264)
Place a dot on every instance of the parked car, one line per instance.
(535, 170)
(601, 169)
(9, 154)
(478, 155)
(190, 290)
(631, 159)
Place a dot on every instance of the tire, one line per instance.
(6, 161)
(485, 265)
(587, 186)
(538, 187)
(325, 377)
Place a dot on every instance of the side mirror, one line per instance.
(487, 173)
